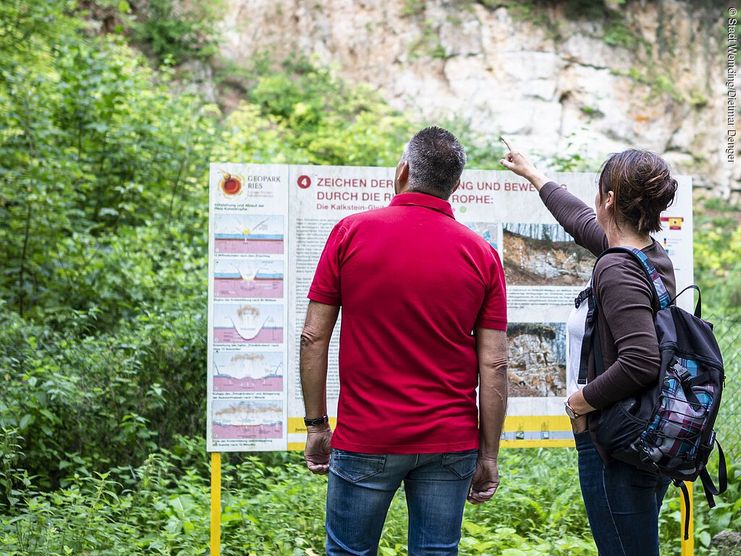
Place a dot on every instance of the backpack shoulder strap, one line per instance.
(590, 325)
(657, 285)
(661, 300)
(707, 483)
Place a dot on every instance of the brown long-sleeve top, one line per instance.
(630, 349)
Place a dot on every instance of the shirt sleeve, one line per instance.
(493, 313)
(625, 299)
(325, 288)
(575, 216)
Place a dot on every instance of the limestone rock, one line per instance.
(649, 75)
(727, 543)
(537, 359)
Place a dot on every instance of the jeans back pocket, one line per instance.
(461, 464)
(356, 467)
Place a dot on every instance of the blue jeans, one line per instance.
(361, 487)
(622, 503)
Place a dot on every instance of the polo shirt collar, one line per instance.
(414, 198)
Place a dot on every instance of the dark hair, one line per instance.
(436, 160)
(642, 185)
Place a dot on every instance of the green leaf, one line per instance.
(705, 538)
(25, 421)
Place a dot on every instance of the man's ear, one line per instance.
(457, 185)
(401, 178)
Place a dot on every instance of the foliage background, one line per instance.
(104, 149)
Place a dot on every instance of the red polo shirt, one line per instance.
(413, 284)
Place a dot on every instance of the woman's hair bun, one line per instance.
(642, 185)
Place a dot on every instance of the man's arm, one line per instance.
(315, 337)
(491, 346)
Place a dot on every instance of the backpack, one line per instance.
(667, 428)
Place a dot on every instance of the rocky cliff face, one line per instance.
(545, 262)
(569, 79)
(537, 359)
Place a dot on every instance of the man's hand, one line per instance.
(520, 165)
(485, 480)
(316, 453)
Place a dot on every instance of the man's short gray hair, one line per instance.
(436, 160)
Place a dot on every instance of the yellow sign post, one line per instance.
(215, 503)
(688, 546)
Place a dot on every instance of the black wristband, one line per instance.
(315, 422)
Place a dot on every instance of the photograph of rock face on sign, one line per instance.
(537, 359)
(544, 255)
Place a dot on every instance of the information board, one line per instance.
(267, 228)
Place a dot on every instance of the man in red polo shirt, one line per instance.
(423, 324)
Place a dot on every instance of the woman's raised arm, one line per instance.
(575, 216)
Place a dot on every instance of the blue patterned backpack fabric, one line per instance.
(667, 428)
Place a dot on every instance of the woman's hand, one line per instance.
(578, 404)
(520, 165)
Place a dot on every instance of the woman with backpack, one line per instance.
(635, 186)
